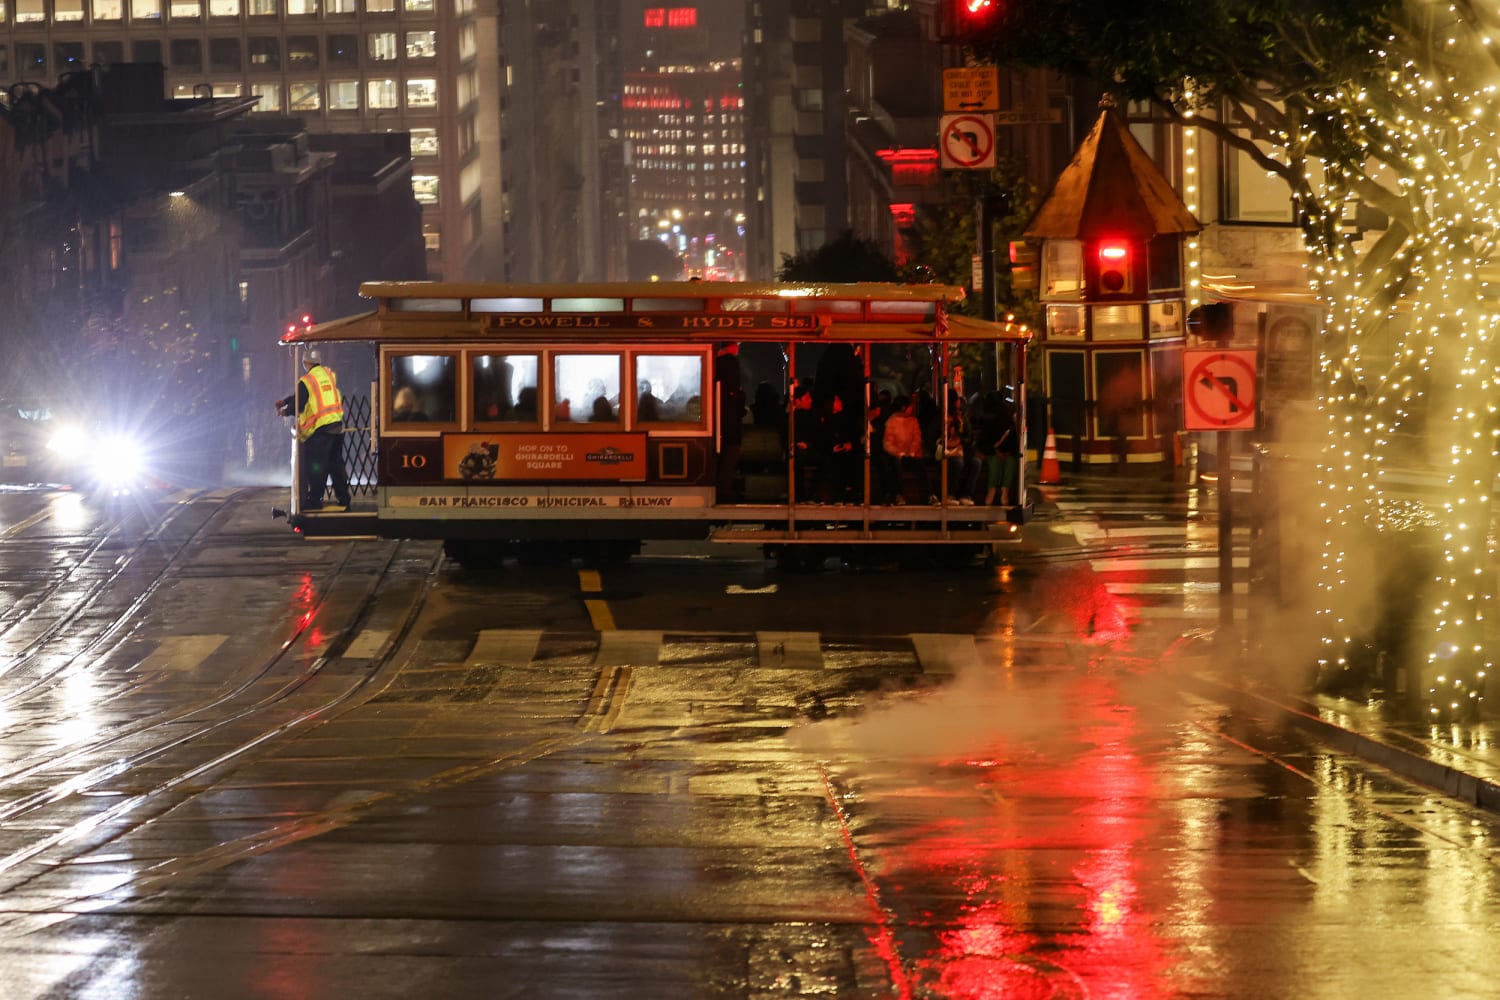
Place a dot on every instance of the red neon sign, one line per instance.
(671, 17)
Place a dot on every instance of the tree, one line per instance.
(846, 259)
(1380, 103)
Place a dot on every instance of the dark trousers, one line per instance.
(729, 467)
(322, 459)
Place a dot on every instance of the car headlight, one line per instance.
(120, 461)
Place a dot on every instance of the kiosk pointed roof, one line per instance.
(1112, 188)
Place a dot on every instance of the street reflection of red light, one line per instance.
(1101, 939)
(1082, 595)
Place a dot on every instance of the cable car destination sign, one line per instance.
(665, 323)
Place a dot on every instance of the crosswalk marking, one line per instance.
(628, 648)
(181, 652)
(367, 644)
(945, 653)
(790, 650)
(504, 647)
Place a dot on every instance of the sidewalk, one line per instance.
(1461, 760)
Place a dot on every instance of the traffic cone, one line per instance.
(1051, 470)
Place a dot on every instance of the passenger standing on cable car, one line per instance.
(320, 432)
(731, 394)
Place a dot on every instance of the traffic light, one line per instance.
(1116, 267)
(972, 18)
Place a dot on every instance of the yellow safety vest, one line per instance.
(324, 404)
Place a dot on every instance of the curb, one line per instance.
(1417, 765)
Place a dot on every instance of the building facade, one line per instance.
(418, 66)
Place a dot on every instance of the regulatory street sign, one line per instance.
(1218, 390)
(967, 142)
(971, 88)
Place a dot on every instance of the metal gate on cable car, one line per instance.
(546, 421)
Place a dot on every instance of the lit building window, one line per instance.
(421, 93)
(223, 8)
(67, 10)
(30, 12)
(382, 46)
(421, 44)
(104, 10)
(269, 94)
(425, 187)
(381, 94)
(304, 95)
(424, 142)
(343, 95)
(185, 10)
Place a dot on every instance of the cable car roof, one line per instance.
(426, 312)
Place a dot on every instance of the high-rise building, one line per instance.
(562, 141)
(796, 180)
(420, 66)
(687, 168)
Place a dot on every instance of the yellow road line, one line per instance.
(590, 583)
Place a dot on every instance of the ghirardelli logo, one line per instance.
(610, 455)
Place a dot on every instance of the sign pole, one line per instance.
(1226, 542)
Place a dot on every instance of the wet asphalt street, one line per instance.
(235, 764)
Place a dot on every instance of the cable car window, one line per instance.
(668, 305)
(427, 305)
(505, 388)
(424, 386)
(777, 305)
(902, 310)
(588, 305)
(511, 305)
(837, 307)
(585, 388)
(669, 388)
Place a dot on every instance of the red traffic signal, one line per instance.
(1116, 267)
(971, 18)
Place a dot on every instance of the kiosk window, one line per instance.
(586, 388)
(425, 386)
(505, 388)
(669, 388)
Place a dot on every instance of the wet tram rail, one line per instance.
(122, 562)
(166, 734)
(170, 741)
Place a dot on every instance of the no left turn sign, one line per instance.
(967, 142)
(1218, 390)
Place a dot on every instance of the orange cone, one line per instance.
(1051, 471)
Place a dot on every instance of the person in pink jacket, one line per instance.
(903, 442)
